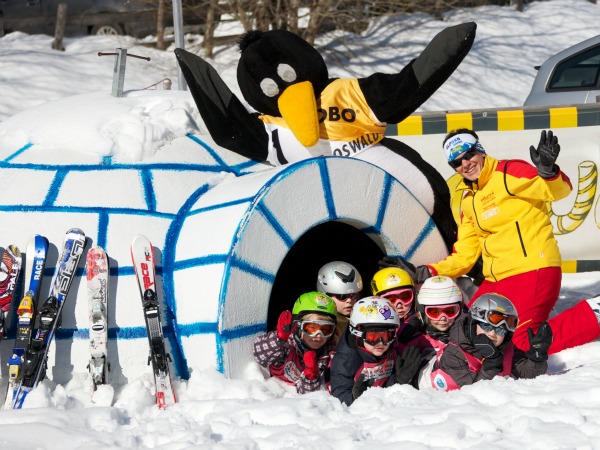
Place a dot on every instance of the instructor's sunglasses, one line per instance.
(383, 336)
(314, 327)
(467, 156)
(404, 296)
(437, 312)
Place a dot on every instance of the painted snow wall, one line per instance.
(221, 227)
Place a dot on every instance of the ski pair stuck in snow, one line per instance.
(33, 362)
(144, 265)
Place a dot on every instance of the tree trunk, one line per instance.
(209, 29)
(160, 26)
(59, 31)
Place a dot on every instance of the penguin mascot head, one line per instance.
(302, 113)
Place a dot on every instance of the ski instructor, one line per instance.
(504, 219)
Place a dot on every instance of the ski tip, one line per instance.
(75, 231)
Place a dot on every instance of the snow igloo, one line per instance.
(236, 241)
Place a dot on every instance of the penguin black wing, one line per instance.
(393, 97)
(228, 121)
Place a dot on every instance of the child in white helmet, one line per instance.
(299, 350)
(342, 282)
(366, 355)
(439, 304)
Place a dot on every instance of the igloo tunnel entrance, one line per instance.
(330, 241)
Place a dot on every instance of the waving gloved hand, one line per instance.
(492, 355)
(408, 365)
(418, 274)
(539, 343)
(360, 386)
(284, 325)
(544, 156)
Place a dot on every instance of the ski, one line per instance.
(96, 271)
(37, 248)
(142, 256)
(48, 316)
(9, 275)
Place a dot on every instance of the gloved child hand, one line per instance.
(408, 365)
(539, 343)
(360, 386)
(311, 365)
(492, 355)
(284, 325)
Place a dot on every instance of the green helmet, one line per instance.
(314, 303)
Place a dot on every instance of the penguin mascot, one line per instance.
(302, 113)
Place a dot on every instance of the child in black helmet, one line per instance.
(480, 346)
(298, 351)
(366, 357)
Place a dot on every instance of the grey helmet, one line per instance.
(495, 310)
(338, 277)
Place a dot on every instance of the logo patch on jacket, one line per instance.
(380, 371)
(440, 383)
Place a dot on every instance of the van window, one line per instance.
(577, 72)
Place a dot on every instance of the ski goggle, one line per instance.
(375, 336)
(451, 311)
(487, 328)
(344, 297)
(315, 327)
(404, 296)
(496, 318)
(467, 156)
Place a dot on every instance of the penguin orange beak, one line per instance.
(298, 106)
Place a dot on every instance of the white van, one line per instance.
(570, 77)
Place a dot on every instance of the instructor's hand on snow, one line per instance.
(492, 355)
(418, 274)
(544, 156)
(539, 343)
(284, 325)
(408, 365)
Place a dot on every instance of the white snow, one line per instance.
(558, 410)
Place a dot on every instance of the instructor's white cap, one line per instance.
(460, 143)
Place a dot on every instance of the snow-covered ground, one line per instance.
(558, 410)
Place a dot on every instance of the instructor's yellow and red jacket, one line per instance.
(504, 218)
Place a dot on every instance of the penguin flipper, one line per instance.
(393, 97)
(228, 121)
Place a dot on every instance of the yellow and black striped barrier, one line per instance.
(510, 119)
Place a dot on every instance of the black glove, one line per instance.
(544, 157)
(360, 386)
(491, 354)
(418, 274)
(408, 365)
(539, 343)
(412, 326)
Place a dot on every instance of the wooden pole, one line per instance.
(59, 32)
